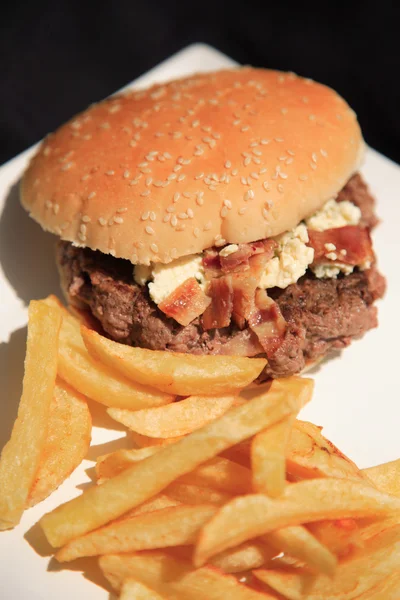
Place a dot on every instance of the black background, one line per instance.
(57, 57)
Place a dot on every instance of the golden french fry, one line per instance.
(175, 578)
(220, 474)
(109, 465)
(143, 441)
(311, 455)
(387, 589)
(156, 503)
(312, 500)
(174, 526)
(20, 457)
(357, 575)
(194, 494)
(386, 477)
(369, 528)
(134, 590)
(268, 458)
(94, 379)
(100, 504)
(67, 441)
(341, 536)
(173, 372)
(176, 419)
(299, 543)
(247, 556)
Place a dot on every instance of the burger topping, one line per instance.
(334, 214)
(186, 302)
(267, 322)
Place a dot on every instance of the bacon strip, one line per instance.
(267, 322)
(219, 312)
(353, 240)
(244, 343)
(216, 265)
(186, 302)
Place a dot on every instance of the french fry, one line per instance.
(20, 458)
(109, 465)
(341, 536)
(357, 575)
(176, 419)
(220, 474)
(173, 372)
(300, 544)
(174, 526)
(386, 477)
(175, 578)
(247, 556)
(312, 500)
(67, 441)
(134, 590)
(311, 455)
(143, 441)
(100, 504)
(268, 458)
(387, 589)
(194, 494)
(158, 502)
(94, 379)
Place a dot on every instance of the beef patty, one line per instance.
(322, 314)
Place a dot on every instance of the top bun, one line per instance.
(227, 157)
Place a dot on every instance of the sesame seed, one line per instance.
(311, 117)
(216, 136)
(149, 230)
(67, 166)
(159, 183)
(314, 157)
(154, 248)
(224, 212)
(176, 135)
(174, 221)
(303, 177)
(47, 151)
(158, 134)
(289, 160)
(196, 232)
(177, 168)
(134, 258)
(236, 122)
(85, 177)
(102, 221)
(228, 204)
(247, 161)
(83, 228)
(118, 220)
(171, 208)
(181, 177)
(190, 213)
(249, 195)
(235, 172)
(264, 142)
(254, 175)
(228, 164)
(266, 186)
(133, 182)
(241, 211)
(180, 227)
(187, 194)
(86, 219)
(166, 218)
(220, 242)
(343, 252)
(172, 176)
(257, 152)
(152, 215)
(48, 204)
(265, 213)
(121, 210)
(132, 143)
(195, 123)
(283, 175)
(212, 188)
(111, 172)
(56, 208)
(176, 196)
(145, 193)
(105, 125)
(207, 226)
(148, 181)
(313, 165)
(279, 140)
(200, 200)
(145, 215)
(126, 174)
(280, 188)
(82, 236)
(91, 195)
(323, 152)
(245, 128)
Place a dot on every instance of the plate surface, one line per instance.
(357, 396)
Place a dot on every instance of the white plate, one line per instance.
(357, 394)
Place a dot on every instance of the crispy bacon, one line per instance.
(244, 343)
(186, 302)
(267, 322)
(216, 265)
(244, 289)
(353, 240)
(219, 312)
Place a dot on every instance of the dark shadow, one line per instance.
(315, 368)
(107, 447)
(26, 252)
(38, 541)
(12, 355)
(88, 566)
(100, 417)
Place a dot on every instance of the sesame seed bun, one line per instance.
(227, 157)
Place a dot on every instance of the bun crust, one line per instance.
(227, 157)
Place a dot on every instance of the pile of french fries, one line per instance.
(225, 493)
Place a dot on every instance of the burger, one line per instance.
(221, 213)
